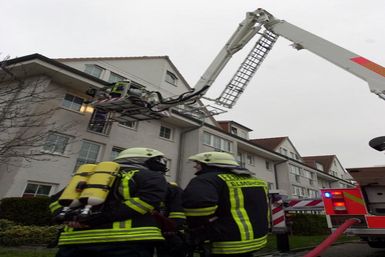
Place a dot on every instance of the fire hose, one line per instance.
(332, 238)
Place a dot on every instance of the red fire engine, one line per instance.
(365, 202)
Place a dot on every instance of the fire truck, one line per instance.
(365, 202)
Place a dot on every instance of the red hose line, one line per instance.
(332, 238)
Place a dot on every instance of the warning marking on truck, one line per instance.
(369, 65)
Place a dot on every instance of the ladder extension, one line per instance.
(247, 69)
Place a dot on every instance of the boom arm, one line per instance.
(258, 22)
(371, 72)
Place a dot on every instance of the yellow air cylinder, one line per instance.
(98, 185)
(70, 196)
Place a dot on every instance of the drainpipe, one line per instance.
(181, 151)
(275, 172)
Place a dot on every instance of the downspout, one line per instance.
(275, 172)
(181, 152)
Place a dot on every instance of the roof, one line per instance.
(269, 143)
(165, 57)
(325, 160)
(111, 58)
(225, 125)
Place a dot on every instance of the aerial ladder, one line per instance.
(139, 103)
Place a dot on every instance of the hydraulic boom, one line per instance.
(139, 101)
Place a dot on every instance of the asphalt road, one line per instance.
(356, 249)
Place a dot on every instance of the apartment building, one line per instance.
(86, 135)
(303, 176)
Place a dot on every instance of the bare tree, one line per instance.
(27, 105)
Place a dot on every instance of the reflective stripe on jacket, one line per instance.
(233, 208)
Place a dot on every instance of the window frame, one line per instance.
(134, 127)
(225, 145)
(162, 135)
(171, 78)
(93, 126)
(112, 150)
(65, 149)
(72, 103)
(35, 194)
(118, 77)
(91, 72)
(80, 161)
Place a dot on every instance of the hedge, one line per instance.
(17, 235)
(309, 224)
(26, 211)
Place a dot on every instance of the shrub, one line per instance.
(309, 224)
(5, 224)
(28, 235)
(26, 211)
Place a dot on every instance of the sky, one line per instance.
(322, 109)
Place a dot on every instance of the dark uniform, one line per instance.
(228, 209)
(125, 227)
(174, 245)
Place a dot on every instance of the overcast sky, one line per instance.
(320, 107)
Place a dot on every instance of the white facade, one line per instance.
(88, 141)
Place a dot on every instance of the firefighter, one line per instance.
(226, 206)
(124, 225)
(119, 89)
(174, 245)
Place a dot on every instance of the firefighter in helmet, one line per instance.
(125, 226)
(119, 89)
(226, 206)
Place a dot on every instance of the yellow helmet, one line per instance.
(138, 153)
(219, 159)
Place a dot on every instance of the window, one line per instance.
(299, 191)
(37, 189)
(267, 165)
(115, 152)
(89, 153)
(207, 138)
(243, 134)
(115, 78)
(216, 142)
(129, 124)
(56, 143)
(171, 78)
(250, 159)
(312, 193)
(72, 102)
(241, 159)
(295, 170)
(319, 166)
(234, 131)
(165, 132)
(99, 122)
(93, 70)
(283, 151)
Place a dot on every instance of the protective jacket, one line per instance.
(172, 206)
(127, 213)
(229, 210)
